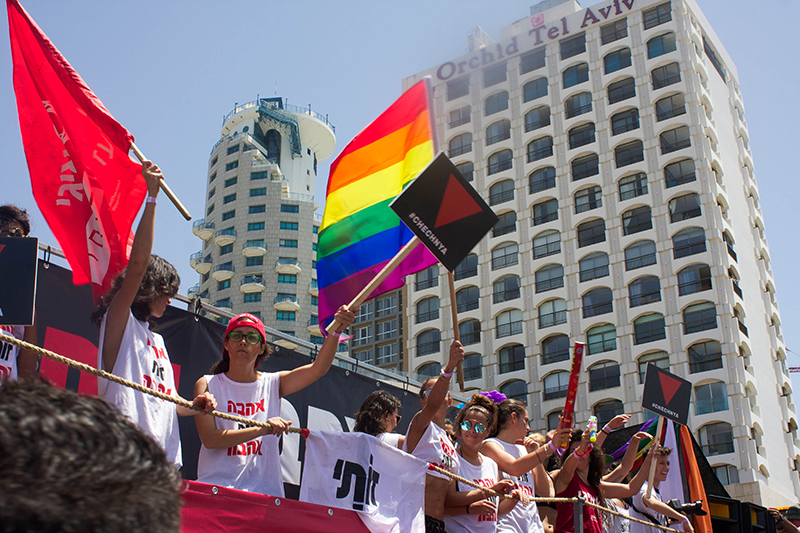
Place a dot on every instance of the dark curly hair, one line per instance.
(505, 409)
(480, 404)
(73, 463)
(373, 409)
(160, 279)
(597, 464)
(12, 213)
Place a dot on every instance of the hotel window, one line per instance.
(617, 60)
(629, 153)
(546, 243)
(506, 289)
(581, 135)
(460, 144)
(601, 339)
(656, 16)
(576, 75)
(293, 226)
(621, 90)
(466, 169)
(472, 366)
(625, 121)
(255, 209)
(214, 161)
(644, 291)
(605, 411)
(585, 166)
(467, 268)
(614, 32)
(603, 376)
(286, 208)
(501, 192)
(640, 254)
(222, 285)
(364, 312)
(532, 61)
(254, 261)
(593, 266)
(425, 279)
(387, 353)
(494, 75)
(233, 149)
(516, 390)
(545, 212)
(229, 215)
(504, 255)
(537, 118)
(693, 279)
(211, 193)
(728, 474)
(231, 165)
(507, 223)
(430, 370)
(223, 250)
(633, 186)
(549, 277)
(498, 131)
(542, 179)
(578, 104)
(428, 342)
(496, 103)
(659, 359)
(290, 279)
(285, 316)
(470, 331)
(362, 336)
(649, 328)
(591, 232)
(255, 226)
(666, 75)
(710, 398)
(699, 317)
(598, 302)
(573, 46)
(684, 207)
(556, 385)
(457, 88)
(259, 175)
(512, 358)
(679, 173)
(539, 149)
(588, 199)
(552, 313)
(660, 45)
(212, 177)
(705, 356)
(555, 349)
(365, 356)
(508, 323)
(258, 192)
(252, 297)
(501, 161)
(716, 439)
(636, 220)
(459, 117)
(386, 306)
(534, 89)
(670, 106)
(467, 299)
(687, 242)
(675, 139)
(228, 199)
(287, 243)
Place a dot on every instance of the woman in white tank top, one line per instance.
(246, 458)
(379, 417)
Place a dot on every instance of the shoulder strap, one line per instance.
(645, 514)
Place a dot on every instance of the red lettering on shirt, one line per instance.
(148, 382)
(160, 353)
(252, 447)
(4, 372)
(245, 408)
(488, 483)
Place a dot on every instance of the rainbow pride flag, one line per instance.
(360, 233)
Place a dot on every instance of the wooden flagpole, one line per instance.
(456, 333)
(656, 441)
(378, 279)
(171, 195)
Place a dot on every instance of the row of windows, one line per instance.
(380, 307)
(569, 47)
(262, 175)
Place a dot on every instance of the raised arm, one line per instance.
(302, 377)
(570, 464)
(435, 399)
(119, 308)
(517, 467)
(625, 490)
(628, 460)
(615, 423)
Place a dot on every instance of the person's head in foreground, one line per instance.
(74, 464)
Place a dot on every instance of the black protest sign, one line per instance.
(445, 212)
(17, 280)
(666, 394)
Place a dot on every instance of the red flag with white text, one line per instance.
(87, 187)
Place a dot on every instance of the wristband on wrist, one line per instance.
(551, 447)
(605, 430)
(579, 455)
(685, 518)
(447, 375)
(151, 200)
(336, 333)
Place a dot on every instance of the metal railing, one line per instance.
(543, 250)
(594, 273)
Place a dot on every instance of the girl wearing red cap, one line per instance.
(246, 458)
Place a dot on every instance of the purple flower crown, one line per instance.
(494, 395)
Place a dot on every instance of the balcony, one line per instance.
(201, 264)
(193, 290)
(313, 289)
(254, 248)
(225, 236)
(223, 304)
(286, 303)
(284, 343)
(223, 272)
(252, 284)
(203, 229)
(313, 326)
(204, 297)
(287, 266)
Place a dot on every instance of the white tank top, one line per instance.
(255, 465)
(9, 352)
(521, 517)
(143, 359)
(436, 447)
(392, 439)
(485, 475)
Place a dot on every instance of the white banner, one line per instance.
(357, 471)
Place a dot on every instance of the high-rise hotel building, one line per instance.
(612, 143)
(259, 234)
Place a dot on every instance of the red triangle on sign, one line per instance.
(669, 386)
(456, 204)
(2, 246)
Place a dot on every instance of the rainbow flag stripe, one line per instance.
(360, 233)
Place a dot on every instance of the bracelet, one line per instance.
(550, 445)
(336, 334)
(579, 455)
(605, 430)
(151, 200)
(467, 509)
(447, 375)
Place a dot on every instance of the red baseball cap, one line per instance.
(245, 319)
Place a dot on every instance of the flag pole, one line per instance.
(652, 472)
(393, 263)
(456, 333)
(171, 195)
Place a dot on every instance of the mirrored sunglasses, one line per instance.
(250, 338)
(479, 428)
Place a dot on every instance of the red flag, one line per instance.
(572, 389)
(87, 187)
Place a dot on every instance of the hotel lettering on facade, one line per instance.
(612, 142)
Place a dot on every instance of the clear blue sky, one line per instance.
(169, 70)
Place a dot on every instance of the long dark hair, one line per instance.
(505, 409)
(597, 465)
(12, 213)
(480, 404)
(373, 409)
(160, 279)
(224, 364)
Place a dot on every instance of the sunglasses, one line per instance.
(250, 338)
(399, 418)
(479, 428)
